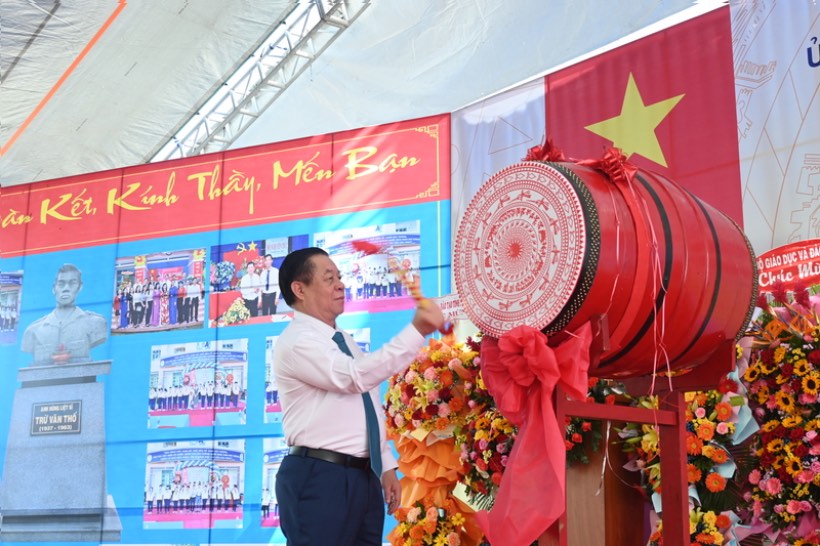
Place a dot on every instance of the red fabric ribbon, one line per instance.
(545, 152)
(521, 372)
(614, 164)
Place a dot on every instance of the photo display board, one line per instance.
(140, 309)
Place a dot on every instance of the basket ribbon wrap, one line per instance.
(521, 372)
(431, 467)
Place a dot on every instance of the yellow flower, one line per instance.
(649, 441)
(769, 426)
(775, 446)
(811, 383)
(793, 466)
(779, 353)
(801, 367)
(751, 374)
(458, 519)
(792, 421)
(710, 518)
(784, 400)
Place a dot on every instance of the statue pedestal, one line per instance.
(53, 486)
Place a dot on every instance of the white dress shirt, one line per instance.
(249, 286)
(320, 386)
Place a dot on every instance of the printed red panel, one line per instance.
(389, 165)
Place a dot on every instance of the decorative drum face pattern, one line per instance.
(520, 248)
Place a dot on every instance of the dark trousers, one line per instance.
(269, 303)
(253, 306)
(324, 503)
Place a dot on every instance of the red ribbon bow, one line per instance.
(521, 372)
(614, 164)
(545, 152)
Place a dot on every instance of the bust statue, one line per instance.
(67, 334)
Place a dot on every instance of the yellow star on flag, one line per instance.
(252, 246)
(633, 130)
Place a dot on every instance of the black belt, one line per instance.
(330, 456)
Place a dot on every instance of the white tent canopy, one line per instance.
(91, 85)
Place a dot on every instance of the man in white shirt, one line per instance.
(269, 283)
(329, 486)
(249, 288)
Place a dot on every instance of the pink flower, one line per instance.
(778, 508)
(805, 506)
(482, 444)
(806, 399)
(432, 395)
(471, 403)
(399, 420)
(793, 507)
(443, 410)
(754, 477)
(405, 398)
(432, 513)
(504, 460)
(804, 476)
(815, 467)
(501, 448)
(453, 363)
(453, 539)
(411, 376)
(413, 514)
(772, 486)
(722, 428)
(430, 374)
(700, 413)
(477, 360)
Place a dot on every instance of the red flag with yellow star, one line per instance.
(667, 101)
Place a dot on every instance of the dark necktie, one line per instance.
(373, 443)
(267, 281)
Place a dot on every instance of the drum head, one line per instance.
(519, 251)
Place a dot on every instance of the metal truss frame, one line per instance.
(304, 34)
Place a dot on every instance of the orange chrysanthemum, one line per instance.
(442, 423)
(715, 482)
(720, 456)
(693, 444)
(706, 430)
(693, 473)
(456, 404)
(723, 411)
(722, 521)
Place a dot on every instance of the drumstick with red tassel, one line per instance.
(413, 286)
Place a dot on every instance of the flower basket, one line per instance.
(783, 381)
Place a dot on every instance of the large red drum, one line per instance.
(552, 245)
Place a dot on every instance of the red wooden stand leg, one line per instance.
(674, 484)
